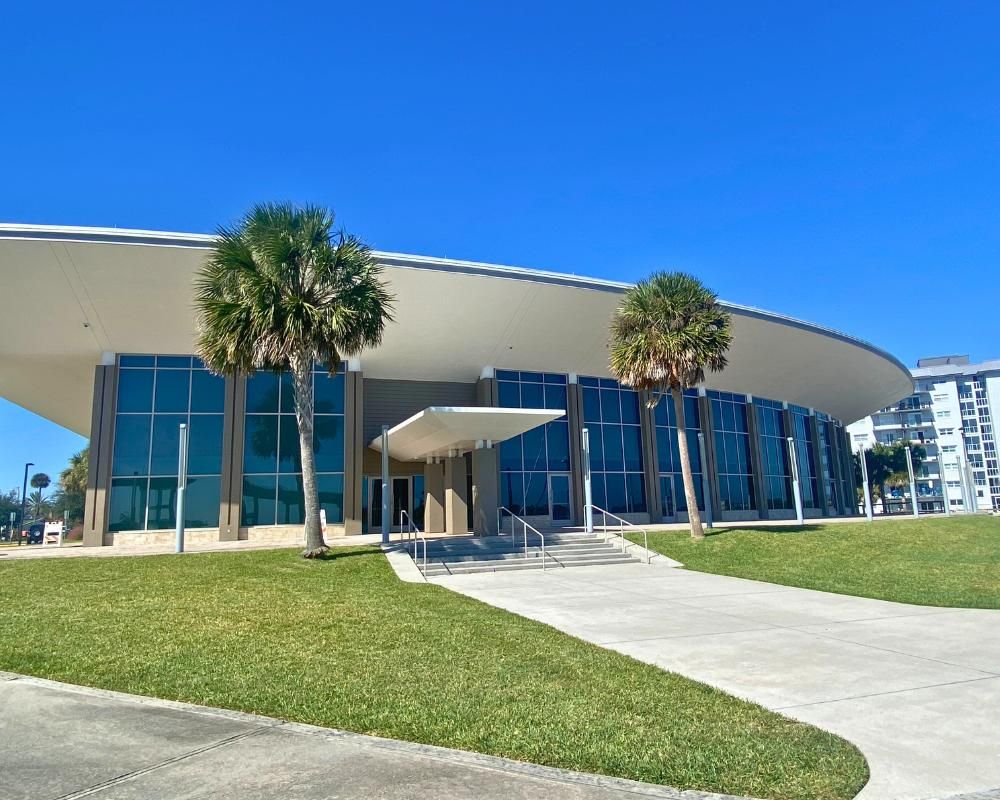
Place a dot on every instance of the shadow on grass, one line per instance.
(333, 555)
(785, 529)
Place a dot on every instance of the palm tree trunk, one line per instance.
(694, 517)
(303, 391)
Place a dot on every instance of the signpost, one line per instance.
(793, 462)
(588, 508)
(913, 482)
(182, 468)
(864, 483)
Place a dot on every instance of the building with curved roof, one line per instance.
(108, 356)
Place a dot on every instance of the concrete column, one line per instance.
(354, 451)
(650, 458)
(708, 430)
(485, 494)
(231, 487)
(102, 425)
(757, 462)
(821, 493)
(486, 391)
(456, 508)
(434, 498)
(574, 413)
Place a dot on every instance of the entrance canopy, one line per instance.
(450, 430)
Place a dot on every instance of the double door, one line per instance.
(401, 499)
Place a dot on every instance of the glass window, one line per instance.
(774, 454)
(201, 503)
(805, 455)
(732, 451)
(291, 500)
(611, 415)
(527, 460)
(668, 452)
(156, 394)
(260, 443)
(328, 443)
(259, 499)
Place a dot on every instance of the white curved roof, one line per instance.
(73, 294)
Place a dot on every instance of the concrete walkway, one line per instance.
(62, 742)
(916, 688)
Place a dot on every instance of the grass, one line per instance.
(343, 643)
(951, 561)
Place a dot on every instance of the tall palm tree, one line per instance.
(667, 330)
(280, 291)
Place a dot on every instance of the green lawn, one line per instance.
(952, 561)
(343, 643)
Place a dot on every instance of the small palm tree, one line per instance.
(281, 291)
(666, 332)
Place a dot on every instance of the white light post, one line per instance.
(796, 489)
(385, 485)
(588, 498)
(182, 468)
(944, 484)
(865, 489)
(706, 484)
(913, 482)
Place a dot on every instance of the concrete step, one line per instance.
(436, 568)
(534, 552)
(519, 550)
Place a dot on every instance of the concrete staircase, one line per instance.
(460, 555)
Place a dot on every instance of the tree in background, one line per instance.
(667, 330)
(887, 467)
(69, 498)
(36, 500)
(282, 291)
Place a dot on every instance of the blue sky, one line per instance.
(835, 162)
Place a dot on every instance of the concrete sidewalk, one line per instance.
(916, 688)
(61, 742)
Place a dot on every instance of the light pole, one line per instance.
(24, 499)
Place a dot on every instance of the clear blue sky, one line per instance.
(836, 162)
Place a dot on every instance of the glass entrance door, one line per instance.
(667, 493)
(400, 499)
(560, 510)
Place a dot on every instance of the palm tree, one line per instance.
(280, 291)
(36, 499)
(667, 330)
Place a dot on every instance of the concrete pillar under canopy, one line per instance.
(434, 498)
(456, 509)
(485, 495)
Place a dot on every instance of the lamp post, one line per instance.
(913, 482)
(24, 499)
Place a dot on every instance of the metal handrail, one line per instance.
(526, 527)
(411, 531)
(621, 529)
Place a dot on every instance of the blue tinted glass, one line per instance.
(610, 408)
(596, 448)
(532, 395)
(509, 395)
(694, 452)
(208, 392)
(131, 453)
(329, 393)
(510, 454)
(531, 377)
(135, 390)
(633, 448)
(260, 443)
(287, 395)
(533, 443)
(205, 445)
(635, 492)
(536, 494)
(291, 500)
(512, 492)
(201, 503)
(289, 449)
(555, 397)
(616, 499)
(692, 414)
(661, 415)
(664, 454)
(557, 436)
(173, 362)
(127, 506)
(162, 512)
(591, 405)
(331, 497)
(505, 375)
(166, 438)
(614, 455)
(589, 381)
(136, 361)
(328, 441)
(554, 378)
(608, 383)
(258, 500)
(262, 393)
(173, 389)
(630, 407)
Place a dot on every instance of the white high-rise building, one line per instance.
(951, 414)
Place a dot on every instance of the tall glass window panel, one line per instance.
(611, 414)
(156, 394)
(272, 453)
(672, 495)
(776, 473)
(806, 456)
(732, 451)
(527, 460)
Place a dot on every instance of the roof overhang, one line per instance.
(111, 291)
(440, 431)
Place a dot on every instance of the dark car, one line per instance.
(35, 531)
